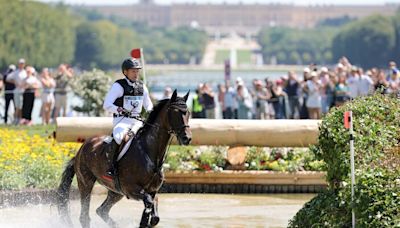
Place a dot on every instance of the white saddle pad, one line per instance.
(123, 151)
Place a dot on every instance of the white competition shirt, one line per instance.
(117, 91)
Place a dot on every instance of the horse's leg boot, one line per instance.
(112, 158)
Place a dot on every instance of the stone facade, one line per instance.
(240, 18)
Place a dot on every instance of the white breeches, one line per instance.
(122, 126)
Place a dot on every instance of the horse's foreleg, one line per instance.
(148, 206)
(154, 211)
(104, 209)
(85, 188)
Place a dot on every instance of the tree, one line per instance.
(290, 41)
(368, 42)
(43, 34)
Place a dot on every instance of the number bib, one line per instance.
(133, 104)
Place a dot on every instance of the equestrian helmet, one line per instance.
(131, 63)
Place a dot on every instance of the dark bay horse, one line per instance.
(140, 170)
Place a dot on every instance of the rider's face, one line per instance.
(132, 74)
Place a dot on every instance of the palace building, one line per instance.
(240, 18)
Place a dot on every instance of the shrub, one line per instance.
(91, 87)
(377, 189)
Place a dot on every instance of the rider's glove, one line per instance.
(123, 111)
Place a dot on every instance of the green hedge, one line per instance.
(377, 163)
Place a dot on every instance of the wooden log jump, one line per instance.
(264, 133)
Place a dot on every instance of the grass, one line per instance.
(41, 130)
(243, 56)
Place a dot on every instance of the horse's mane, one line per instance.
(156, 110)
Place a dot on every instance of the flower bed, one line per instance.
(30, 158)
(207, 158)
(31, 161)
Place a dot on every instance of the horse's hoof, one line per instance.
(154, 221)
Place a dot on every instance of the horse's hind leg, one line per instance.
(105, 207)
(154, 211)
(85, 186)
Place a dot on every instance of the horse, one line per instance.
(140, 169)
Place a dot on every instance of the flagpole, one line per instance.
(348, 124)
(143, 64)
(353, 179)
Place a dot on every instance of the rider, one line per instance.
(125, 100)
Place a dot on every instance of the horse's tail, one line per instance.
(64, 188)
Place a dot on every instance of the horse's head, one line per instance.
(178, 118)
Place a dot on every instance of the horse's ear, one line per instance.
(186, 96)
(174, 95)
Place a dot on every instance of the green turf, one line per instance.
(243, 56)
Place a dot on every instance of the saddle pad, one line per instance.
(123, 151)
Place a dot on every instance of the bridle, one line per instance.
(171, 130)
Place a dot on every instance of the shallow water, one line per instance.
(176, 210)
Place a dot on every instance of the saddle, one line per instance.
(126, 139)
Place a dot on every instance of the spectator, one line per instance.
(60, 95)
(333, 80)
(392, 68)
(292, 88)
(381, 84)
(8, 91)
(366, 83)
(167, 93)
(209, 102)
(326, 90)
(221, 95)
(245, 103)
(394, 82)
(341, 91)
(304, 94)
(30, 84)
(197, 104)
(279, 100)
(18, 77)
(48, 85)
(353, 82)
(230, 102)
(261, 97)
(269, 87)
(313, 102)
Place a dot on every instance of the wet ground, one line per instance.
(176, 210)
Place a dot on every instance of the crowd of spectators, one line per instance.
(23, 84)
(292, 96)
(308, 96)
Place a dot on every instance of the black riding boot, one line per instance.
(112, 158)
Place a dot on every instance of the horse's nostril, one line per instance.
(186, 140)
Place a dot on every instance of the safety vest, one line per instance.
(132, 99)
(197, 107)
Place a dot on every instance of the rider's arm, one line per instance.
(115, 92)
(147, 104)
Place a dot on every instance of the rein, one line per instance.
(171, 131)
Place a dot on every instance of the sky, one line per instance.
(295, 2)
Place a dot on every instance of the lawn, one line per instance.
(243, 56)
